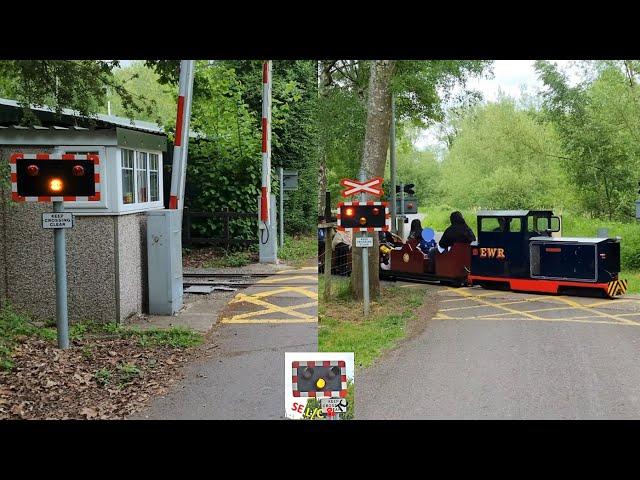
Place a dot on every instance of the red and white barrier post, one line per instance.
(181, 143)
(266, 142)
(266, 224)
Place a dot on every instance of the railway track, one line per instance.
(235, 280)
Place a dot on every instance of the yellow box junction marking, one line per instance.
(290, 313)
(572, 305)
(489, 304)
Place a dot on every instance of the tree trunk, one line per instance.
(374, 157)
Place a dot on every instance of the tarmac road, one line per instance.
(503, 355)
(244, 379)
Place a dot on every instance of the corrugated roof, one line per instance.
(149, 127)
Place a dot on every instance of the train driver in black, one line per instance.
(457, 232)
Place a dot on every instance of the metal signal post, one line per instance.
(365, 258)
(60, 252)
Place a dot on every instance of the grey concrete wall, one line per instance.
(26, 250)
(132, 263)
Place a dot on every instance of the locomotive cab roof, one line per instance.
(513, 213)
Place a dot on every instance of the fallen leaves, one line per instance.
(48, 383)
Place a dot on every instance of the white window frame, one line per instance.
(136, 205)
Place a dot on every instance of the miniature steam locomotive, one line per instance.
(516, 250)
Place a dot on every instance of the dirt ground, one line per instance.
(94, 379)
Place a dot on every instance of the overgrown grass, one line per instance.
(343, 329)
(12, 328)
(299, 249)
(15, 327)
(230, 259)
(572, 226)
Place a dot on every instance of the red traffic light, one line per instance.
(78, 171)
(33, 170)
(375, 211)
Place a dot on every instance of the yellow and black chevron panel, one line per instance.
(617, 287)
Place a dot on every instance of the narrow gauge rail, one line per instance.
(234, 280)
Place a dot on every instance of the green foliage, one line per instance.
(80, 85)
(103, 376)
(175, 337)
(230, 259)
(420, 168)
(128, 371)
(351, 407)
(341, 117)
(420, 89)
(342, 328)
(421, 86)
(225, 169)
(298, 249)
(599, 124)
(13, 326)
(143, 83)
(503, 158)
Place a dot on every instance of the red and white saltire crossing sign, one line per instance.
(265, 193)
(368, 186)
(342, 393)
(53, 198)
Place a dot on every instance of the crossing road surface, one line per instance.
(503, 355)
(245, 380)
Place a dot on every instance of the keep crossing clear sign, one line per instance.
(339, 405)
(57, 220)
(363, 242)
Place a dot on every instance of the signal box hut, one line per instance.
(106, 248)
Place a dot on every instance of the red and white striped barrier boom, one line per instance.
(266, 142)
(181, 143)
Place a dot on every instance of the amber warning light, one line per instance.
(55, 185)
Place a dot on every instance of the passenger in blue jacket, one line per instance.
(416, 234)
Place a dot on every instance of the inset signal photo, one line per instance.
(319, 386)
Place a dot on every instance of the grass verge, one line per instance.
(343, 329)
(15, 327)
(299, 249)
(230, 259)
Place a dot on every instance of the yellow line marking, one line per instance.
(277, 279)
(464, 298)
(268, 293)
(603, 314)
(272, 308)
(413, 285)
(541, 299)
(269, 320)
(610, 302)
(570, 320)
(476, 299)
